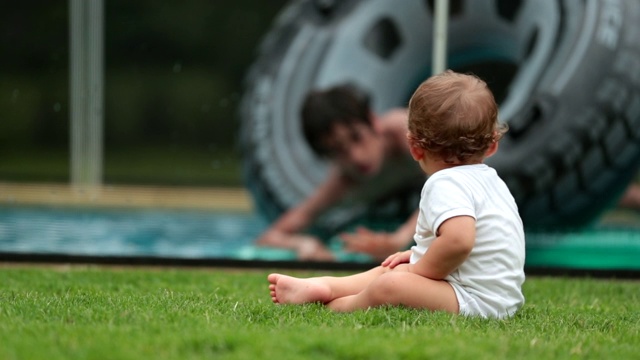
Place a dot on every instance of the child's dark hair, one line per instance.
(322, 109)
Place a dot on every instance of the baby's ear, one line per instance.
(493, 148)
(416, 152)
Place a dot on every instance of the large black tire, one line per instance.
(566, 75)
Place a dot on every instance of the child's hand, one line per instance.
(376, 244)
(310, 248)
(396, 259)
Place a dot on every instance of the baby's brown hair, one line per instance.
(455, 117)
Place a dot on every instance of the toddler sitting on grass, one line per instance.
(469, 250)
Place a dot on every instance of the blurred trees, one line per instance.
(173, 74)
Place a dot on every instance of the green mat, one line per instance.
(604, 249)
(613, 243)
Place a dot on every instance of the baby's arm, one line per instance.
(456, 238)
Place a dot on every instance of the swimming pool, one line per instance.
(130, 232)
(216, 236)
(182, 234)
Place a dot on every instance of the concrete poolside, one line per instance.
(177, 197)
(50, 194)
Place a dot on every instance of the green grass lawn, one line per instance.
(149, 313)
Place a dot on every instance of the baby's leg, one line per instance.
(291, 290)
(401, 288)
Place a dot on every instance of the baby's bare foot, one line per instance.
(290, 290)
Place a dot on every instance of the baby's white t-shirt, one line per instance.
(489, 282)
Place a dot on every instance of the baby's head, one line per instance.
(454, 117)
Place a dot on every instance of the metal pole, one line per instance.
(87, 86)
(439, 57)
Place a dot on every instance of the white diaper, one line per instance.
(470, 305)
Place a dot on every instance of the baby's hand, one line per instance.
(396, 259)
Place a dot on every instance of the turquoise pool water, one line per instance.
(138, 233)
(612, 244)
(127, 232)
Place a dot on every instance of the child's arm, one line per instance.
(456, 238)
(380, 244)
(284, 232)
